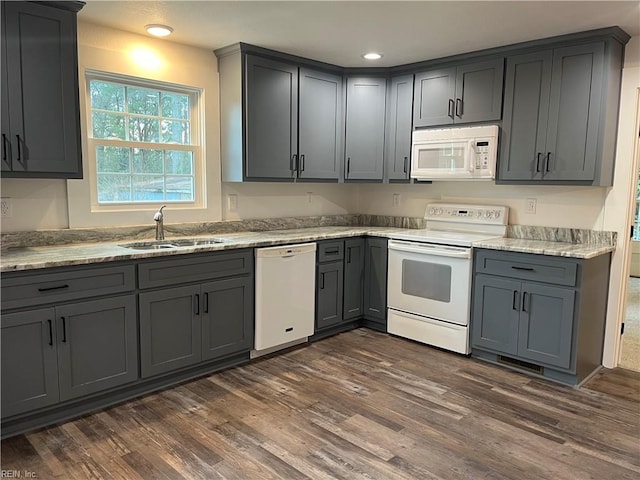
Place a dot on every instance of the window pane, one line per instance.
(114, 188)
(175, 131)
(148, 187)
(112, 159)
(107, 96)
(147, 161)
(179, 188)
(175, 105)
(108, 125)
(144, 129)
(178, 162)
(142, 101)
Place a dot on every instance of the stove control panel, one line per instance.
(479, 214)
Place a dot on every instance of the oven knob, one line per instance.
(438, 211)
(432, 211)
(488, 214)
(496, 213)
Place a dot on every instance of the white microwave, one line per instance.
(459, 153)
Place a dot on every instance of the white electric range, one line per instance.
(429, 276)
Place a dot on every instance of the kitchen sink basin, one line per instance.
(170, 244)
(194, 242)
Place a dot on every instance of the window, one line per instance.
(143, 141)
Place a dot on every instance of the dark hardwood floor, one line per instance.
(357, 405)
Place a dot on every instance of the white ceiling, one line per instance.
(339, 32)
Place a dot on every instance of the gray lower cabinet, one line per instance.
(354, 252)
(540, 313)
(330, 293)
(365, 128)
(68, 351)
(194, 309)
(558, 115)
(375, 281)
(40, 104)
(466, 93)
(399, 128)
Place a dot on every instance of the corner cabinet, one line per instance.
(560, 115)
(284, 123)
(466, 93)
(539, 313)
(40, 104)
(375, 283)
(365, 128)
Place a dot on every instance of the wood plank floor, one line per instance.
(357, 405)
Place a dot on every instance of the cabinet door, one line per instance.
(271, 104)
(375, 279)
(43, 89)
(353, 278)
(433, 100)
(399, 128)
(4, 105)
(227, 317)
(574, 112)
(546, 324)
(329, 294)
(98, 345)
(29, 361)
(366, 99)
(479, 91)
(320, 114)
(526, 110)
(496, 310)
(169, 329)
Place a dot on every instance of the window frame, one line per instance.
(196, 134)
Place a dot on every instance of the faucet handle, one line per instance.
(158, 215)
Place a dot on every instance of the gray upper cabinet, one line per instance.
(271, 118)
(291, 127)
(399, 128)
(462, 94)
(320, 125)
(40, 104)
(560, 115)
(365, 128)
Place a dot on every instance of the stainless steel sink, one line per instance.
(159, 245)
(170, 244)
(194, 242)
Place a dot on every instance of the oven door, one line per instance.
(430, 280)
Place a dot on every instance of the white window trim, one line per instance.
(197, 136)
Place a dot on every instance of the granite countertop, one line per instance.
(546, 247)
(39, 257)
(31, 258)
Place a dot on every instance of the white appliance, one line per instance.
(464, 153)
(285, 296)
(429, 276)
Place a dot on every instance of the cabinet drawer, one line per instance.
(330, 251)
(527, 266)
(30, 290)
(194, 268)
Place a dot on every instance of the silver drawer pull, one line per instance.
(58, 287)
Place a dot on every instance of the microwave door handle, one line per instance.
(429, 249)
(471, 155)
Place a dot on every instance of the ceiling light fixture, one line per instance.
(158, 30)
(372, 56)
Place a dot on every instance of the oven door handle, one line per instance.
(436, 250)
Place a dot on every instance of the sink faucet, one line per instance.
(158, 217)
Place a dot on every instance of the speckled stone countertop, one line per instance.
(31, 258)
(546, 247)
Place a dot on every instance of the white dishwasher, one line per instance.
(285, 296)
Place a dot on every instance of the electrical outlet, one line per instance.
(309, 197)
(531, 205)
(232, 202)
(396, 199)
(6, 207)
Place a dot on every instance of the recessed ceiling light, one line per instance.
(158, 30)
(372, 56)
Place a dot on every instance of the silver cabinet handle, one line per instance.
(459, 107)
(450, 109)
